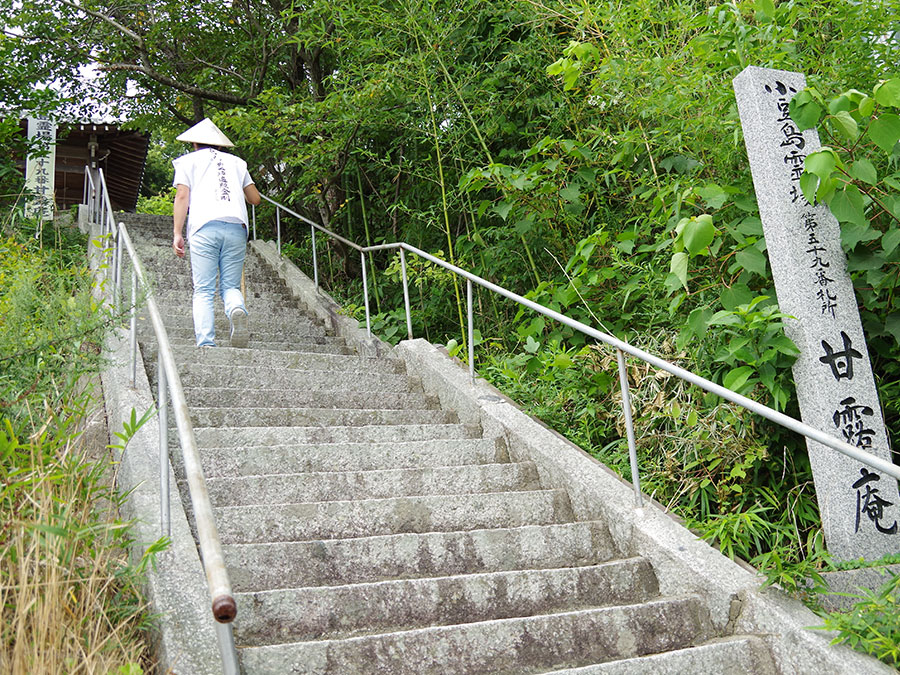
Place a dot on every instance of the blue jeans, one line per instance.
(217, 247)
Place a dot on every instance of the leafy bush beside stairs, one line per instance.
(70, 598)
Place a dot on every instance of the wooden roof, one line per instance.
(121, 154)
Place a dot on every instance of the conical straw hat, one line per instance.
(206, 133)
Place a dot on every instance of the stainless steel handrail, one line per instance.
(224, 607)
(621, 347)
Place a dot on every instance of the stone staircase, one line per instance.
(366, 530)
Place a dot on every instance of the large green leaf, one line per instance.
(805, 111)
(890, 240)
(845, 123)
(847, 206)
(698, 233)
(820, 163)
(698, 320)
(853, 233)
(737, 378)
(571, 193)
(713, 195)
(864, 170)
(752, 260)
(885, 131)
(502, 209)
(735, 296)
(892, 325)
(809, 183)
(766, 8)
(888, 93)
(679, 267)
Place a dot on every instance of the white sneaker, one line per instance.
(240, 328)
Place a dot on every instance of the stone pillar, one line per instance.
(835, 387)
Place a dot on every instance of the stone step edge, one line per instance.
(372, 538)
(471, 575)
(757, 652)
(311, 474)
(550, 492)
(287, 430)
(480, 627)
(372, 588)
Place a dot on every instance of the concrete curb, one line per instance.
(683, 563)
(176, 585)
(318, 302)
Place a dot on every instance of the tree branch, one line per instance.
(343, 157)
(221, 96)
(108, 19)
(224, 71)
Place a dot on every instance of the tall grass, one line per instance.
(69, 596)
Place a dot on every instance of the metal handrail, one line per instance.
(621, 347)
(224, 607)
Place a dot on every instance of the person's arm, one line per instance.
(179, 214)
(251, 194)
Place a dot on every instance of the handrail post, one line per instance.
(409, 332)
(253, 212)
(133, 325)
(362, 255)
(118, 271)
(629, 430)
(278, 227)
(165, 521)
(225, 634)
(312, 235)
(471, 333)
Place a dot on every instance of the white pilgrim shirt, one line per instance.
(217, 181)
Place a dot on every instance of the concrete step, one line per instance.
(264, 339)
(297, 614)
(378, 484)
(367, 517)
(286, 325)
(310, 417)
(176, 293)
(186, 347)
(517, 645)
(165, 271)
(281, 310)
(737, 655)
(246, 438)
(265, 377)
(294, 361)
(221, 397)
(179, 293)
(158, 251)
(177, 290)
(258, 459)
(255, 567)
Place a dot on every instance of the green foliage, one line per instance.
(858, 175)
(69, 597)
(158, 205)
(62, 561)
(871, 625)
(50, 324)
(754, 349)
(130, 428)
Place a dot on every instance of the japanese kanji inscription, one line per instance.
(40, 171)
